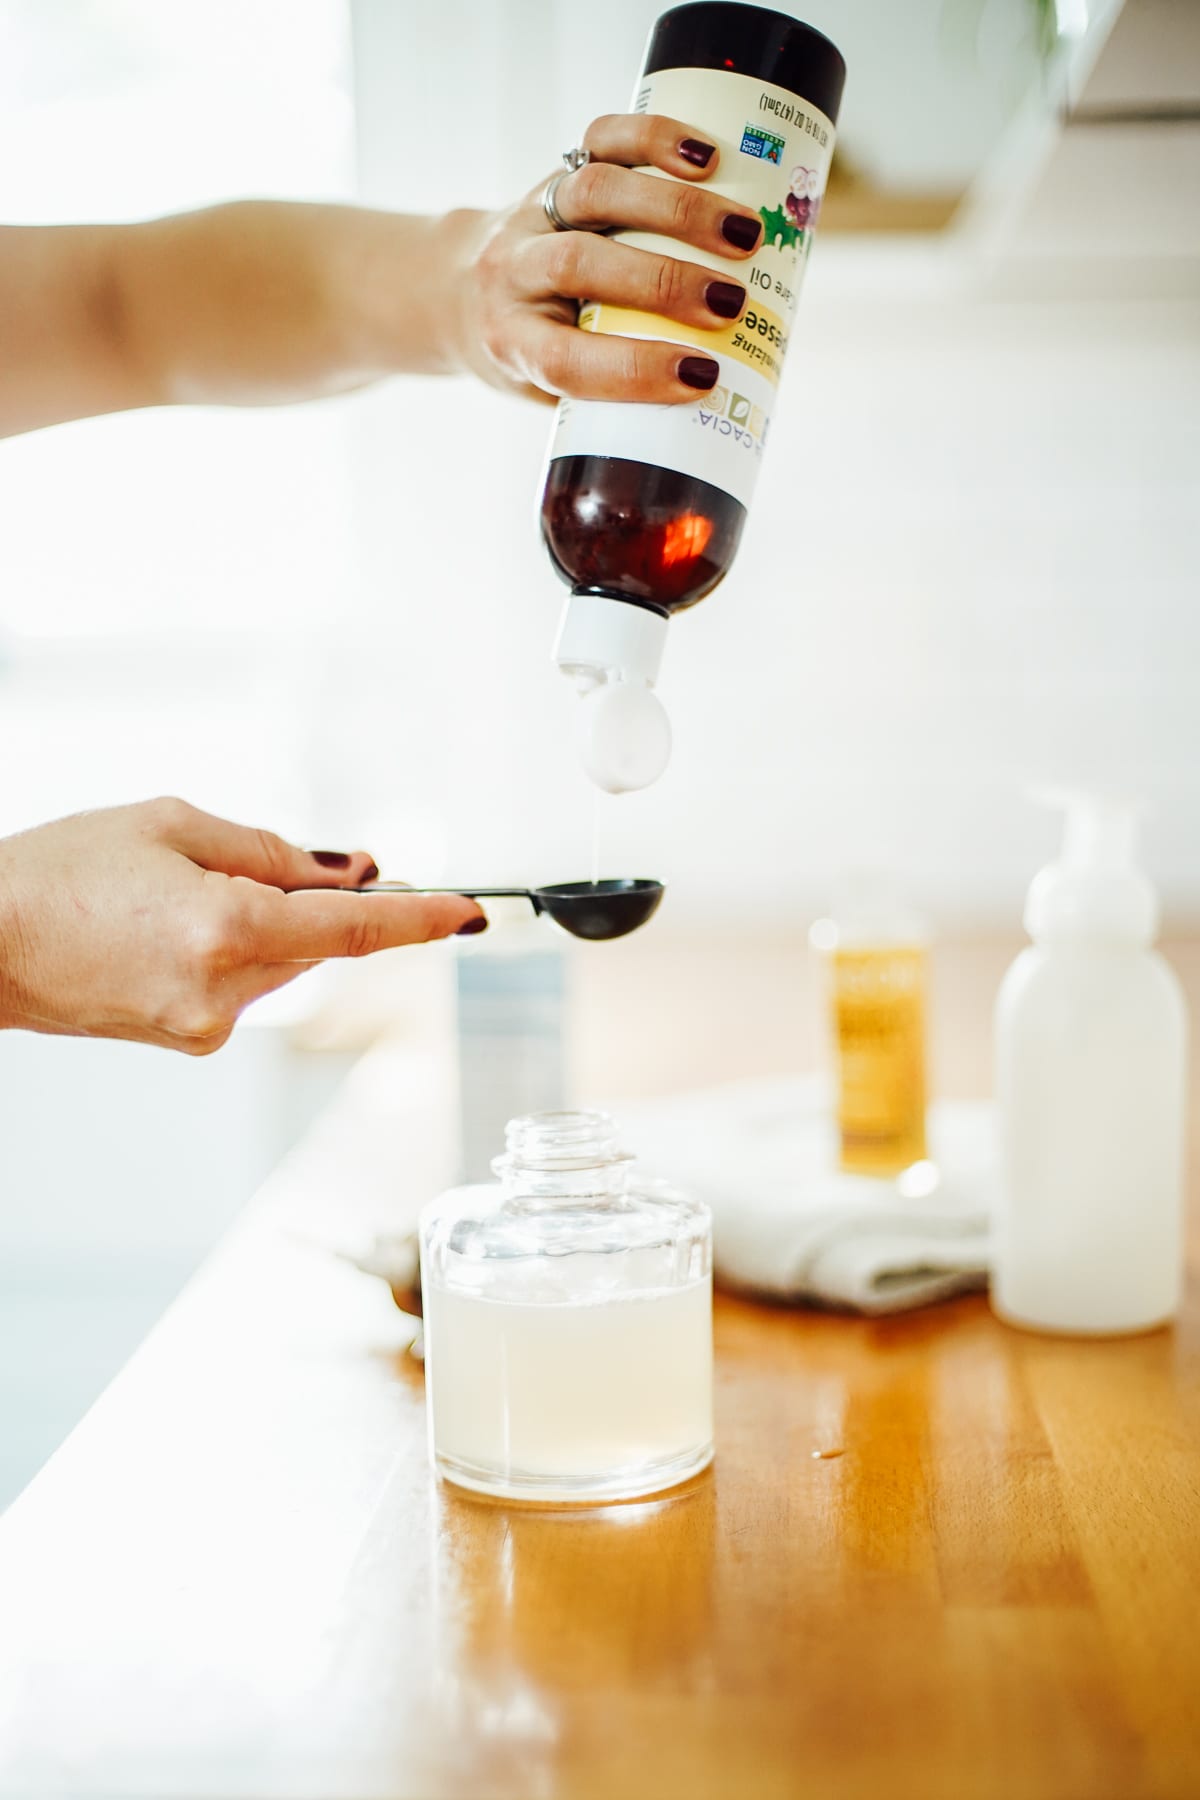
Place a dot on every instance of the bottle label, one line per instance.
(774, 151)
(879, 1026)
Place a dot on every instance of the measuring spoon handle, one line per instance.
(471, 893)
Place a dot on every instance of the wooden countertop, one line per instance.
(238, 1580)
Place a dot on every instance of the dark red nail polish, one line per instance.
(331, 859)
(699, 371)
(693, 150)
(741, 232)
(370, 873)
(725, 298)
(471, 927)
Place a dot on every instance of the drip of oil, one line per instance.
(597, 804)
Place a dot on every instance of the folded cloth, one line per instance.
(788, 1223)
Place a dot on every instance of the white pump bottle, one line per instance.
(1091, 1049)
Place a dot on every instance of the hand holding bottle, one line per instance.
(643, 505)
(523, 278)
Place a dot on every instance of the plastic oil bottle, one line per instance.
(643, 506)
(1091, 1046)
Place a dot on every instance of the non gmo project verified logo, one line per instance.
(762, 144)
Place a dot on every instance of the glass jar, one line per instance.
(568, 1322)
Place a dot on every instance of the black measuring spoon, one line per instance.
(587, 909)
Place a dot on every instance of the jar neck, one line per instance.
(562, 1158)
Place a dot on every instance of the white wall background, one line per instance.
(971, 565)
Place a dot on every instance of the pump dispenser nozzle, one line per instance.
(1095, 889)
(611, 648)
(1100, 833)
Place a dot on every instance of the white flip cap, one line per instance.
(605, 639)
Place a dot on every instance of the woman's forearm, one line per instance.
(265, 301)
(246, 304)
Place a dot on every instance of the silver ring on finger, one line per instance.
(550, 202)
(573, 161)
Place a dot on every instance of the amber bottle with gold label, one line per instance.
(877, 966)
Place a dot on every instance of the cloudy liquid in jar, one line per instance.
(558, 1402)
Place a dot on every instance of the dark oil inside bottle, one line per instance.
(650, 535)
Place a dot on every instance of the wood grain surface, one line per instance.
(935, 1557)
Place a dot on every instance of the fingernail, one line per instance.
(699, 371)
(472, 926)
(694, 150)
(370, 873)
(332, 859)
(725, 298)
(741, 232)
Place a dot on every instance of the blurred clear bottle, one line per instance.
(511, 1003)
(876, 961)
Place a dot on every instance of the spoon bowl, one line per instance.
(599, 909)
